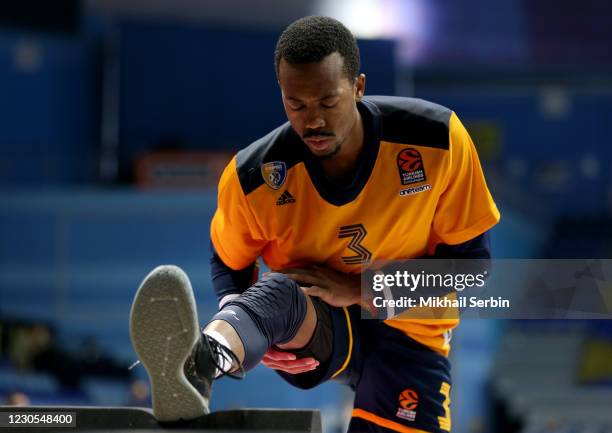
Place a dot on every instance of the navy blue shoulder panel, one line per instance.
(388, 118)
(413, 121)
(477, 248)
(282, 144)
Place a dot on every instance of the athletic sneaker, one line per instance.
(180, 360)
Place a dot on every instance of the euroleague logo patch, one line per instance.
(408, 400)
(410, 166)
(274, 173)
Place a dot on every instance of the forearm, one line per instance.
(227, 281)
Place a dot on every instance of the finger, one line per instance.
(310, 270)
(298, 371)
(317, 270)
(308, 279)
(276, 349)
(298, 363)
(316, 291)
(276, 355)
(292, 370)
(290, 364)
(279, 358)
(294, 271)
(322, 272)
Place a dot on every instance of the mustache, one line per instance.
(318, 133)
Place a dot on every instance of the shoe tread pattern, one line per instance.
(164, 328)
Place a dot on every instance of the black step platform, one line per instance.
(134, 418)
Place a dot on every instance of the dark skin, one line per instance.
(321, 105)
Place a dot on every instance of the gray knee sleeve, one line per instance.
(269, 312)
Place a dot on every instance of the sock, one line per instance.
(225, 363)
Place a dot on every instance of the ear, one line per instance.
(360, 87)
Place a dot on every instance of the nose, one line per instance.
(314, 119)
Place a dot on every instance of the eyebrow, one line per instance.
(332, 95)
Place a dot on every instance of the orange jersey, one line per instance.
(418, 183)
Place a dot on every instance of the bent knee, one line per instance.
(277, 304)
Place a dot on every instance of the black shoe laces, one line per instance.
(219, 351)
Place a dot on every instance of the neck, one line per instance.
(343, 164)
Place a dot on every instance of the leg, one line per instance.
(335, 344)
(180, 359)
(404, 386)
(234, 342)
(274, 311)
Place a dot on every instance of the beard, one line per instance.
(331, 154)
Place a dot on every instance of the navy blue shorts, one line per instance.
(400, 385)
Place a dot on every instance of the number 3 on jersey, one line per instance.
(357, 233)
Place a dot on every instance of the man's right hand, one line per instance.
(287, 362)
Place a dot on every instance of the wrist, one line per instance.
(362, 298)
(366, 295)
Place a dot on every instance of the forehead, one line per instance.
(312, 79)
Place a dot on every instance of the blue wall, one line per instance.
(210, 88)
(546, 157)
(201, 87)
(48, 110)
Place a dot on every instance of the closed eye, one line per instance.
(329, 101)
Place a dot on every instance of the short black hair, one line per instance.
(311, 39)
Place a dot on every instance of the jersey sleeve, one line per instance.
(465, 208)
(234, 231)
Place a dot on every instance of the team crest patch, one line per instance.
(410, 166)
(274, 173)
(408, 401)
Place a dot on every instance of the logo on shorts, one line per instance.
(410, 166)
(408, 401)
(274, 173)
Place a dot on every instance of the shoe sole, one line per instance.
(164, 328)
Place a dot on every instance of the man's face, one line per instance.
(320, 102)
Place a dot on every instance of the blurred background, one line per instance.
(116, 117)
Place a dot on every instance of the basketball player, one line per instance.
(347, 180)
